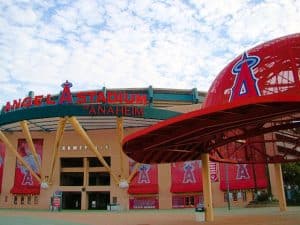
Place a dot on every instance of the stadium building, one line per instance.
(65, 151)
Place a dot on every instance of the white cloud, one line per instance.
(264, 21)
(66, 19)
(50, 32)
(91, 14)
(21, 15)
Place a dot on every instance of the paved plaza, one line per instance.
(240, 216)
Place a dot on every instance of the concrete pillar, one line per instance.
(85, 172)
(164, 176)
(207, 193)
(84, 202)
(280, 188)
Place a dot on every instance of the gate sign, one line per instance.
(80, 98)
(213, 171)
(56, 202)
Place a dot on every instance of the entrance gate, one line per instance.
(71, 200)
(98, 200)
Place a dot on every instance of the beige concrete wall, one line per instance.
(6, 197)
(108, 145)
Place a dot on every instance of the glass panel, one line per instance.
(178, 201)
(94, 162)
(29, 200)
(71, 179)
(99, 178)
(15, 200)
(22, 200)
(71, 162)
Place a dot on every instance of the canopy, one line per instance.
(257, 94)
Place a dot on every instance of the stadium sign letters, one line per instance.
(83, 147)
(96, 102)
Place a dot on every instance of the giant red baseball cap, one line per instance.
(255, 96)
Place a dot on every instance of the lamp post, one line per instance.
(227, 183)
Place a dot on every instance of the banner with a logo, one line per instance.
(213, 168)
(24, 182)
(186, 177)
(145, 180)
(2, 158)
(242, 176)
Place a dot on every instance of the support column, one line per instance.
(81, 132)
(84, 205)
(84, 200)
(29, 140)
(207, 193)
(280, 188)
(85, 172)
(19, 157)
(133, 172)
(57, 142)
(120, 132)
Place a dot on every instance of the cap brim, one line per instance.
(187, 136)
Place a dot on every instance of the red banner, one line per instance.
(213, 168)
(2, 158)
(242, 176)
(186, 177)
(145, 180)
(25, 183)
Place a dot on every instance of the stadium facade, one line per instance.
(65, 150)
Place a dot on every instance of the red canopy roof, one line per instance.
(257, 93)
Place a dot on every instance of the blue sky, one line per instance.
(166, 44)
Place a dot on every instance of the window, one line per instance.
(99, 178)
(186, 201)
(227, 195)
(244, 195)
(71, 179)
(29, 199)
(114, 200)
(71, 162)
(15, 200)
(235, 196)
(22, 200)
(178, 202)
(189, 201)
(94, 162)
(36, 200)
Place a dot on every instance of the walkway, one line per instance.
(238, 216)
